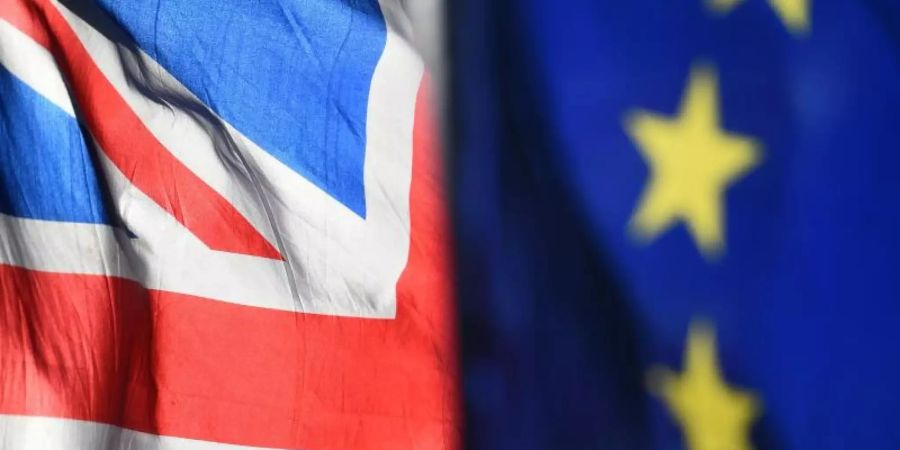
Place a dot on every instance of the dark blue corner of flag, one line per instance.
(548, 352)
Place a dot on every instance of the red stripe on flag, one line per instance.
(128, 143)
(103, 349)
(72, 345)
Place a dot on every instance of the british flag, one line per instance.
(221, 227)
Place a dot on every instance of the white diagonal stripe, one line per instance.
(29, 61)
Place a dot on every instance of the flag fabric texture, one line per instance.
(678, 223)
(221, 227)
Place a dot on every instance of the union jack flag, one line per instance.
(221, 227)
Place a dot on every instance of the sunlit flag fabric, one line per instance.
(221, 227)
(678, 223)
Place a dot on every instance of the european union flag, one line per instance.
(678, 223)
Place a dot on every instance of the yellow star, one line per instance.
(793, 13)
(692, 161)
(712, 415)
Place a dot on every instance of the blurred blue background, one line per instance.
(568, 309)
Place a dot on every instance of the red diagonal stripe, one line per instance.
(128, 143)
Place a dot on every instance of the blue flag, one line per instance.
(678, 223)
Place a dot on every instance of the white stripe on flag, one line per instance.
(45, 433)
(69, 247)
(33, 64)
